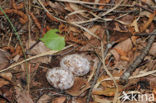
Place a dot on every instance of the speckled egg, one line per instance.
(76, 63)
(60, 78)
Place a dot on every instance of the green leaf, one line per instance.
(53, 41)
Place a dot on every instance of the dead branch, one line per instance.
(124, 78)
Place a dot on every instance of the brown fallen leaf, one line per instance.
(38, 49)
(122, 50)
(93, 30)
(78, 100)
(149, 2)
(145, 14)
(44, 99)
(152, 81)
(145, 26)
(106, 92)
(103, 2)
(57, 7)
(99, 99)
(5, 77)
(154, 91)
(59, 100)
(3, 101)
(23, 96)
(80, 86)
(153, 49)
(123, 54)
(135, 25)
(117, 36)
(4, 59)
(128, 19)
(3, 82)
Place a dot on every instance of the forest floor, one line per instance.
(117, 37)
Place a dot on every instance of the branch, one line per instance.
(137, 61)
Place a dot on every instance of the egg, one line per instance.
(60, 78)
(76, 63)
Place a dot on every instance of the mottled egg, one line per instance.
(60, 78)
(76, 63)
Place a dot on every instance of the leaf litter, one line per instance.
(84, 27)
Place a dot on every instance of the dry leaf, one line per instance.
(105, 92)
(23, 96)
(74, 7)
(151, 81)
(153, 49)
(100, 79)
(154, 90)
(38, 49)
(93, 30)
(135, 25)
(78, 100)
(145, 26)
(44, 99)
(92, 72)
(117, 36)
(122, 49)
(107, 84)
(117, 28)
(80, 86)
(145, 13)
(3, 101)
(3, 82)
(71, 7)
(103, 2)
(100, 99)
(4, 61)
(122, 54)
(128, 19)
(57, 7)
(62, 28)
(7, 76)
(59, 100)
(149, 2)
(73, 29)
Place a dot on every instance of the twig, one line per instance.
(105, 13)
(137, 61)
(94, 81)
(29, 39)
(131, 77)
(149, 10)
(98, 70)
(31, 47)
(85, 29)
(144, 34)
(107, 71)
(149, 6)
(71, 23)
(114, 11)
(90, 3)
(33, 57)
(14, 29)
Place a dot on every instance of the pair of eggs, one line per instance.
(71, 65)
